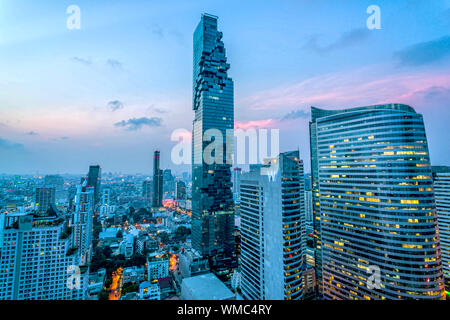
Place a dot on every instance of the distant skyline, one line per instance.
(114, 91)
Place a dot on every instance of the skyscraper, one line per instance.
(147, 192)
(44, 198)
(157, 181)
(374, 204)
(213, 103)
(38, 259)
(237, 173)
(180, 190)
(94, 179)
(168, 183)
(441, 180)
(272, 231)
(82, 221)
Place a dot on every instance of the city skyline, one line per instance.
(308, 163)
(122, 82)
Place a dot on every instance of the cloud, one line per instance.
(255, 124)
(295, 115)
(32, 133)
(156, 109)
(86, 62)
(115, 105)
(115, 64)
(158, 31)
(137, 123)
(347, 39)
(161, 33)
(424, 52)
(65, 138)
(359, 87)
(9, 145)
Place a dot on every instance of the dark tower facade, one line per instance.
(157, 181)
(94, 179)
(213, 103)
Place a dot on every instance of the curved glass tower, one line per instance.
(375, 205)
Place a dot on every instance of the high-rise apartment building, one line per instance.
(237, 173)
(272, 231)
(441, 180)
(44, 198)
(374, 205)
(157, 181)
(82, 221)
(168, 183)
(94, 180)
(38, 259)
(213, 103)
(106, 197)
(147, 192)
(180, 190)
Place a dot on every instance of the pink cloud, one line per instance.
(256, 124)
(367, 86)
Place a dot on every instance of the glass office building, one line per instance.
(441, 179)
(213, 103)
(374, 204)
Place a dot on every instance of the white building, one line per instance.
(133, 274)
(205, 287)
(272, 230)
(82, 221)
(38, 260)
(126, 247)
(158, 266)
(149, 291)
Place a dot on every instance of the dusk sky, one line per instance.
(114, 91)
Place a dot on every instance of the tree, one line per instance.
(129, 287)
(103, 295)
(164, 237)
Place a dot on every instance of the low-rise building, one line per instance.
(149, 291)
(205, 287)
(158, 265)
(133, 274)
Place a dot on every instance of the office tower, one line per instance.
(309, 227)
(38, 259)
(157, 181)
(147, 192)
(44, 198)
(82, 221)
(237, 173)
(94, 179)
(213, 103)
(106, 197)
(373, 188)
(168, 183)
(441, 184)
(272, 231)
(180, 191)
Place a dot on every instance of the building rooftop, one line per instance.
(207, 287)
